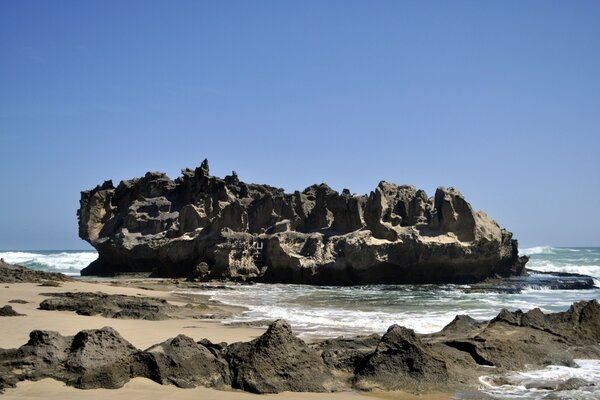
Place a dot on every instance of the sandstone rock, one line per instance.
(346, 354)
(182, 362)
(401, 361)
(318, 236)
(110, 306)
(462, 325)
(119, 306)
(580, 324)
(514, 340)
(8, 311)
(278, 361)
(450, 360)
(100, 358)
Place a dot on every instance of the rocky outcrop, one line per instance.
(277, 362)
(8, 311)
(452, 359)
(121, 306)
(110, 306)
(205, 227)
(183, 362)
(12, 273)
(514, 340)
(401, 361)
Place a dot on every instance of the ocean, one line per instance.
(319, 312)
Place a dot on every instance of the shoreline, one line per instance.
(142, 334)
(135, 331)
(149, 312)
(142, 389)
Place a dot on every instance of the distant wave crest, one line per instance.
(537, 250)
(68, 262)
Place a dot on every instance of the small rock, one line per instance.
(7, 311)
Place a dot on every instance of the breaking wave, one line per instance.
(562, 382)
(66, 262)
(537, 250)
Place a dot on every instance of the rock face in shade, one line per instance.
(210, 228)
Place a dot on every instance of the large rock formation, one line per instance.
(203, 226)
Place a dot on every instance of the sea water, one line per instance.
(68, 262)
(319, 312)
(328, 311)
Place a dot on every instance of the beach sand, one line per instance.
(14, 332)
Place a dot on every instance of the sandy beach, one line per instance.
(14, 332)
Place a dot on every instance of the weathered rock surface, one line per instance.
(346, 353)
(210, 228)
(100, 358)
(401, 361)
(8, 311)
(514, 340)
(451, 359)
(12, 273)
(277, 362)
(118, 306)
(185, 363)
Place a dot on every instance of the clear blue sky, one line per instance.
(499, 99)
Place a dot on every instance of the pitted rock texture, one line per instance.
(401, 361)
(452, 359)
(206, 227)
(277, 362)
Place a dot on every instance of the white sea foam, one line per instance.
(336, 322)
(526, 385)
(537, 250)
(69, 262)
(591, 270)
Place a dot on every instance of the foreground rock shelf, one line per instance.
(278, 361)
(206, 227)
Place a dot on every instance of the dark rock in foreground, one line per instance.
(8, 311)
(118, 306)
(110, 306)
(400, 362)
(11, 273)
(210, 228)
(100, 358)
(451, 359)
(277, 362)
(183, 362)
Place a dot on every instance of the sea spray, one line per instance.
(65, 261)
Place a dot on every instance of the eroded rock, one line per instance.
(183, 362)
(118, 306)
(8, 311)
(452, 359)
(205, 227)
(401, 361)
(278, 361)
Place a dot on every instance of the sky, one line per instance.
(498, 99)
